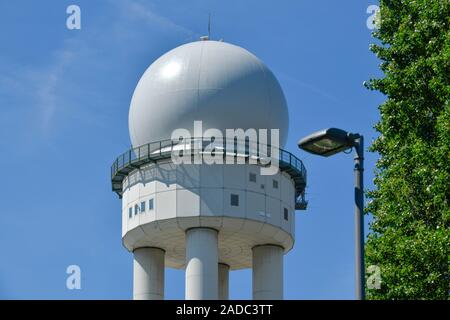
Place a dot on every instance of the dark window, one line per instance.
(150, 204)
(286, 214)
(143, 206)
(234, 200)
(130, 212)
(275, 184)
(136, 209)
(252, 177)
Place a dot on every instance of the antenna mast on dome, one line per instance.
(209, 26)
(208, 37)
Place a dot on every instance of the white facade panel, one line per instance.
(188, 202)
(287, 195)
(256, 206)
(233, 210)
(132, 194)
(188, 176)
(292, 217)
(269, 183)
(253, 179)
(286, 224)
(234, 176)
(166, 205)
(166, 177)
(132, 222)
(147, 188)
(211, 202)
(124, 221)
(212, 176)
(273, 207)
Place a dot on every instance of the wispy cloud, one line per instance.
(55, 88)
(34, 95)
(137, 10)
(47, 94)
(312, 88)
(35, 90)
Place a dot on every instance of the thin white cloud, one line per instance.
(312, 88)
(36, 88)
(137, 10)
(48, 91)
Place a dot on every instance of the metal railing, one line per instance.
(154, 151)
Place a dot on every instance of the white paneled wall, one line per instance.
(187, 196)
(205, 190)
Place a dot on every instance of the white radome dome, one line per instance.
(221, 84)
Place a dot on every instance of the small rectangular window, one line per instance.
(275, 184)
(234, 200)
(130, 212)
(142, 206)
(136, 209)
(286, 214)
(252, 177)
(150, 204)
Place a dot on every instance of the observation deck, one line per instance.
(153, 152)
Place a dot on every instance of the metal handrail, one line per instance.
(134, 154)
(153, 151)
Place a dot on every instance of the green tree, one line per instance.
(410, 234)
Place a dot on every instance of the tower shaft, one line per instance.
(224, 271)
(202, 264)
(267, 272)
(148, 277)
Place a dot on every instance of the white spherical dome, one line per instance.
(221, 84)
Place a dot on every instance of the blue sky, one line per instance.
(64, 98)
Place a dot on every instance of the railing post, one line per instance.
(192, 149)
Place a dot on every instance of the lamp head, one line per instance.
(327, 142)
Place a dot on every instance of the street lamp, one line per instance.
(326, 143)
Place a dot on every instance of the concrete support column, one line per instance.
(268, 272)
(224, 270)
(148, 274)
(201, 264)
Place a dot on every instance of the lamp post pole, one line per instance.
(359, 218)
(329, 142)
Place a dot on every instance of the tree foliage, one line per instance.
(410, 234)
